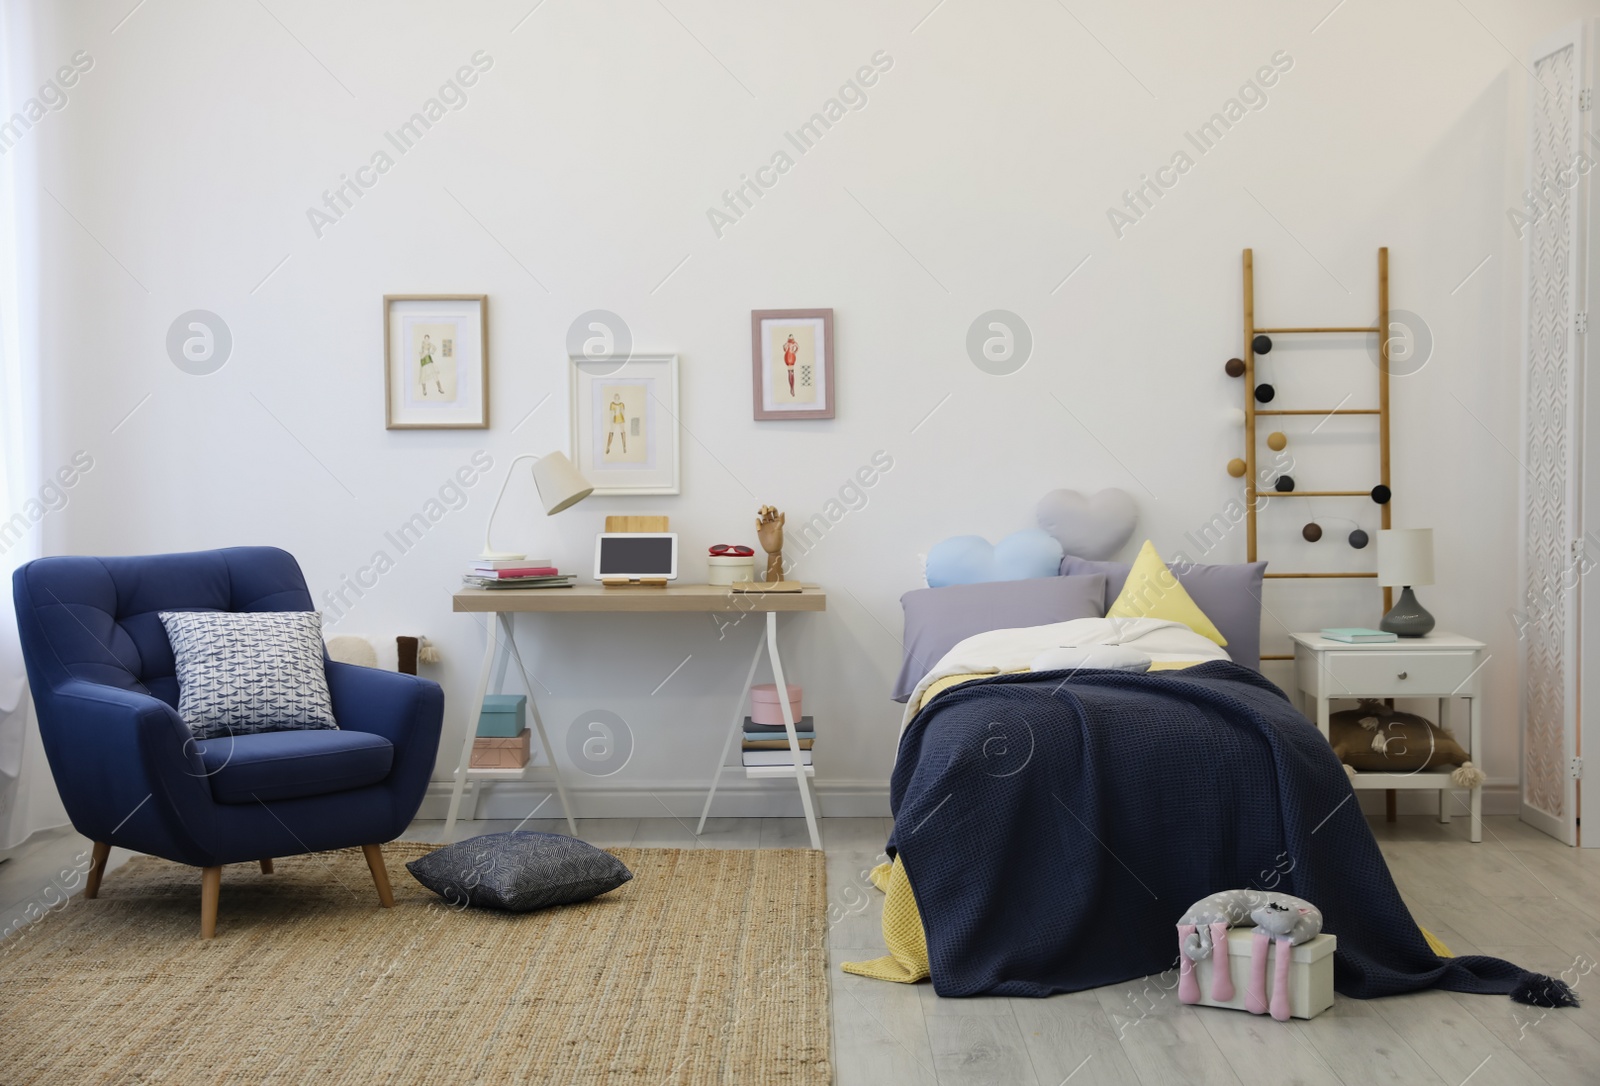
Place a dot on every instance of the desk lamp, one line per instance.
(559, 485)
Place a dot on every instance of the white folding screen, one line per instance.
(1553, 556)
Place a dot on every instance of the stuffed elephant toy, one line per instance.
(1203, 930)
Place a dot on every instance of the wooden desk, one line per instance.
(593, 599)
(501, 649)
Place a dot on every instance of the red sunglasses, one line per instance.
(733, 550)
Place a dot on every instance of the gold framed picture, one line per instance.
(436, 361)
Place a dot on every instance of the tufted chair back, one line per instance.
(97, 619)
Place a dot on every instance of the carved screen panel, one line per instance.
(1546, 621)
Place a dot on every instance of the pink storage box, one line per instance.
(764, 707)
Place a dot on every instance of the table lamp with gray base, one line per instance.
(559, 484)
(1405, 559)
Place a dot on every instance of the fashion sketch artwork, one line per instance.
(792, 363)
(625, 432)
(436, 361)
(433, 351)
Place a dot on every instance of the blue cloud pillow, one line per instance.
(972, 559)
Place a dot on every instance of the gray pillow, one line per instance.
(1229, 595)
(519, 871)
(938, 618)
(241, 672)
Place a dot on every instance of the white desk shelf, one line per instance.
(760, 772)
(502, 774)
(1441, 665)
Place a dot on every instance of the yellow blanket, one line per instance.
(907, 960)
(939, 686)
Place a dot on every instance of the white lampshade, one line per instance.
(1405, 556)
(560, 484)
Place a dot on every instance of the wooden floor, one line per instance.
(1518, 895)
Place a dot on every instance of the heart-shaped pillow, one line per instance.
(972, 559)
(1089, 526)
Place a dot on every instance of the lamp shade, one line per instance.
(1405, 556)
(560, 484)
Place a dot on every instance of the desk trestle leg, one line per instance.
(538, 723)
(498, 652)
(490, 651)
(734, 729)
(788, 726)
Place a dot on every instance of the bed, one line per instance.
(1052, 825)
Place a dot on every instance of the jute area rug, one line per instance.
(709, 967)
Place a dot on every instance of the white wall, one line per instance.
(578, 175)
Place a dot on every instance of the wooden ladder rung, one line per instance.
(1314, 411)
(1328, 329)
(1311, 494)
(1277, 656)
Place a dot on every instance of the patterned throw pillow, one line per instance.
(519, 871)
(245, 672)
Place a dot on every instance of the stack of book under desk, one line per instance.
(501, 745)
(765, 749)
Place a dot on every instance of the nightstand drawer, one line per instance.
(1398, 674)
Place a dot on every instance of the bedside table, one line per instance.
(1441, 665)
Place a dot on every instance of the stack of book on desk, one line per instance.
(516, 573)
(768, 744)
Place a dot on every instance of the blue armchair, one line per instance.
(132, 776)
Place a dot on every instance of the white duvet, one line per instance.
(1015, 650)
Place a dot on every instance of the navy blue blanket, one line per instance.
(1055, 827)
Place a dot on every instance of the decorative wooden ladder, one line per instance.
(1381, 493)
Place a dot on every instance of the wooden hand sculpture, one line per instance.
(769, 527)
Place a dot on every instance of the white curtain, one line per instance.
(28, 798)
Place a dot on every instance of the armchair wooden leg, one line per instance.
(266, 867)
(380, 874)
(210, 891)
(97, 868)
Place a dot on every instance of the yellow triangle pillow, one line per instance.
(1152, 591)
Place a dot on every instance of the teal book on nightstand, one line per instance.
(504, 716)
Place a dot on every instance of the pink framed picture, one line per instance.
(791, 363)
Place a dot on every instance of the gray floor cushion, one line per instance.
(519, 871)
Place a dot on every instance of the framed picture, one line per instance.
(791, 353)
(436, 361)
(625, 423)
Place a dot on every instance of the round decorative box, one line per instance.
(764, 707)
(727, 568)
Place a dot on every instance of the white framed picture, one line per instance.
(625, 423)
(436, 361)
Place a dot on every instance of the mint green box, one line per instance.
(503, 717)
